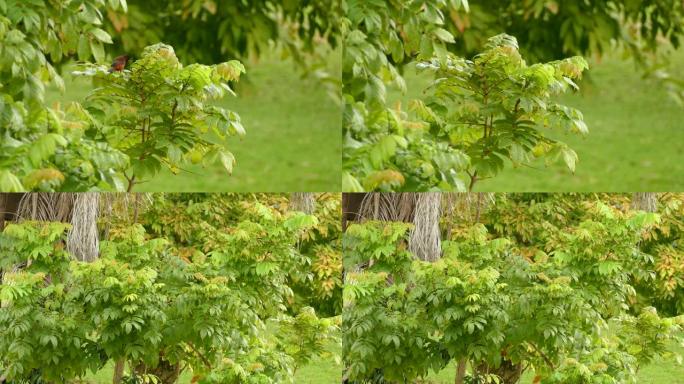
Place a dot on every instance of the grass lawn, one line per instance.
(635, 140)
(293, 140)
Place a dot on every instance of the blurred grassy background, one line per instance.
(635, 140)
(293, 140)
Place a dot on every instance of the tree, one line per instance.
(551, 30)
(69, 147)
(494, 108)
(43, 148)
(210, 31)
(425, 240)
(380, 37)
(385, 147)
(534, 287)
(481, 113)
(157, 112)
(303, 201)
(221, 303)
(83, 241)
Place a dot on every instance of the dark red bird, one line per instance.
(119, 64)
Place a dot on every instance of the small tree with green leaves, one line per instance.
(160, 112)
(496, 107)
(479, 114)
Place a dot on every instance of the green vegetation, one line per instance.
(563, 288)
(319, 371)
(383, 37)
(291, 118)
(229, 288)
(659, 372)
(634, 135)
(148, 115)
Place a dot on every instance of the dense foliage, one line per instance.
(191, 221)
(553, 29)
(42, 147)
(220, 302)
(379, 37)
(385, 149)
(211, 31)
(71, 147)
(480, 113)
(159, 112)
(552, 287)
(527, 218)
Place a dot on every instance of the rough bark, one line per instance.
(425, 241)
(388, 206)
(83, 239)
(303, 201)
(423, 210)
(645, 201)
(46, 206)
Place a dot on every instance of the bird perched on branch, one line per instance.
(119, 64)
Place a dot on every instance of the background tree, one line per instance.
(212, 32)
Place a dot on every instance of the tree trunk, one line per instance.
(83, 239)
(423, 210)
(118, 371)
(46, 206)
(425, 240)
(645, 201)
(460, 371)
(303, 201)
(388, 206)
(3, 210)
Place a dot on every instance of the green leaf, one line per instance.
(444, 35)
(569, 157)
(227, 160)
(608, 267)
(9, 182)
(98, 51)
(83, 48)
(101, 35)
(45, 147)
(174, 153)
(264, 268)
(350, 183)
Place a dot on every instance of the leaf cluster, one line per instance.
(563, 310)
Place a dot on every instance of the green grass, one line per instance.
(293, 140)
(635, 140)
